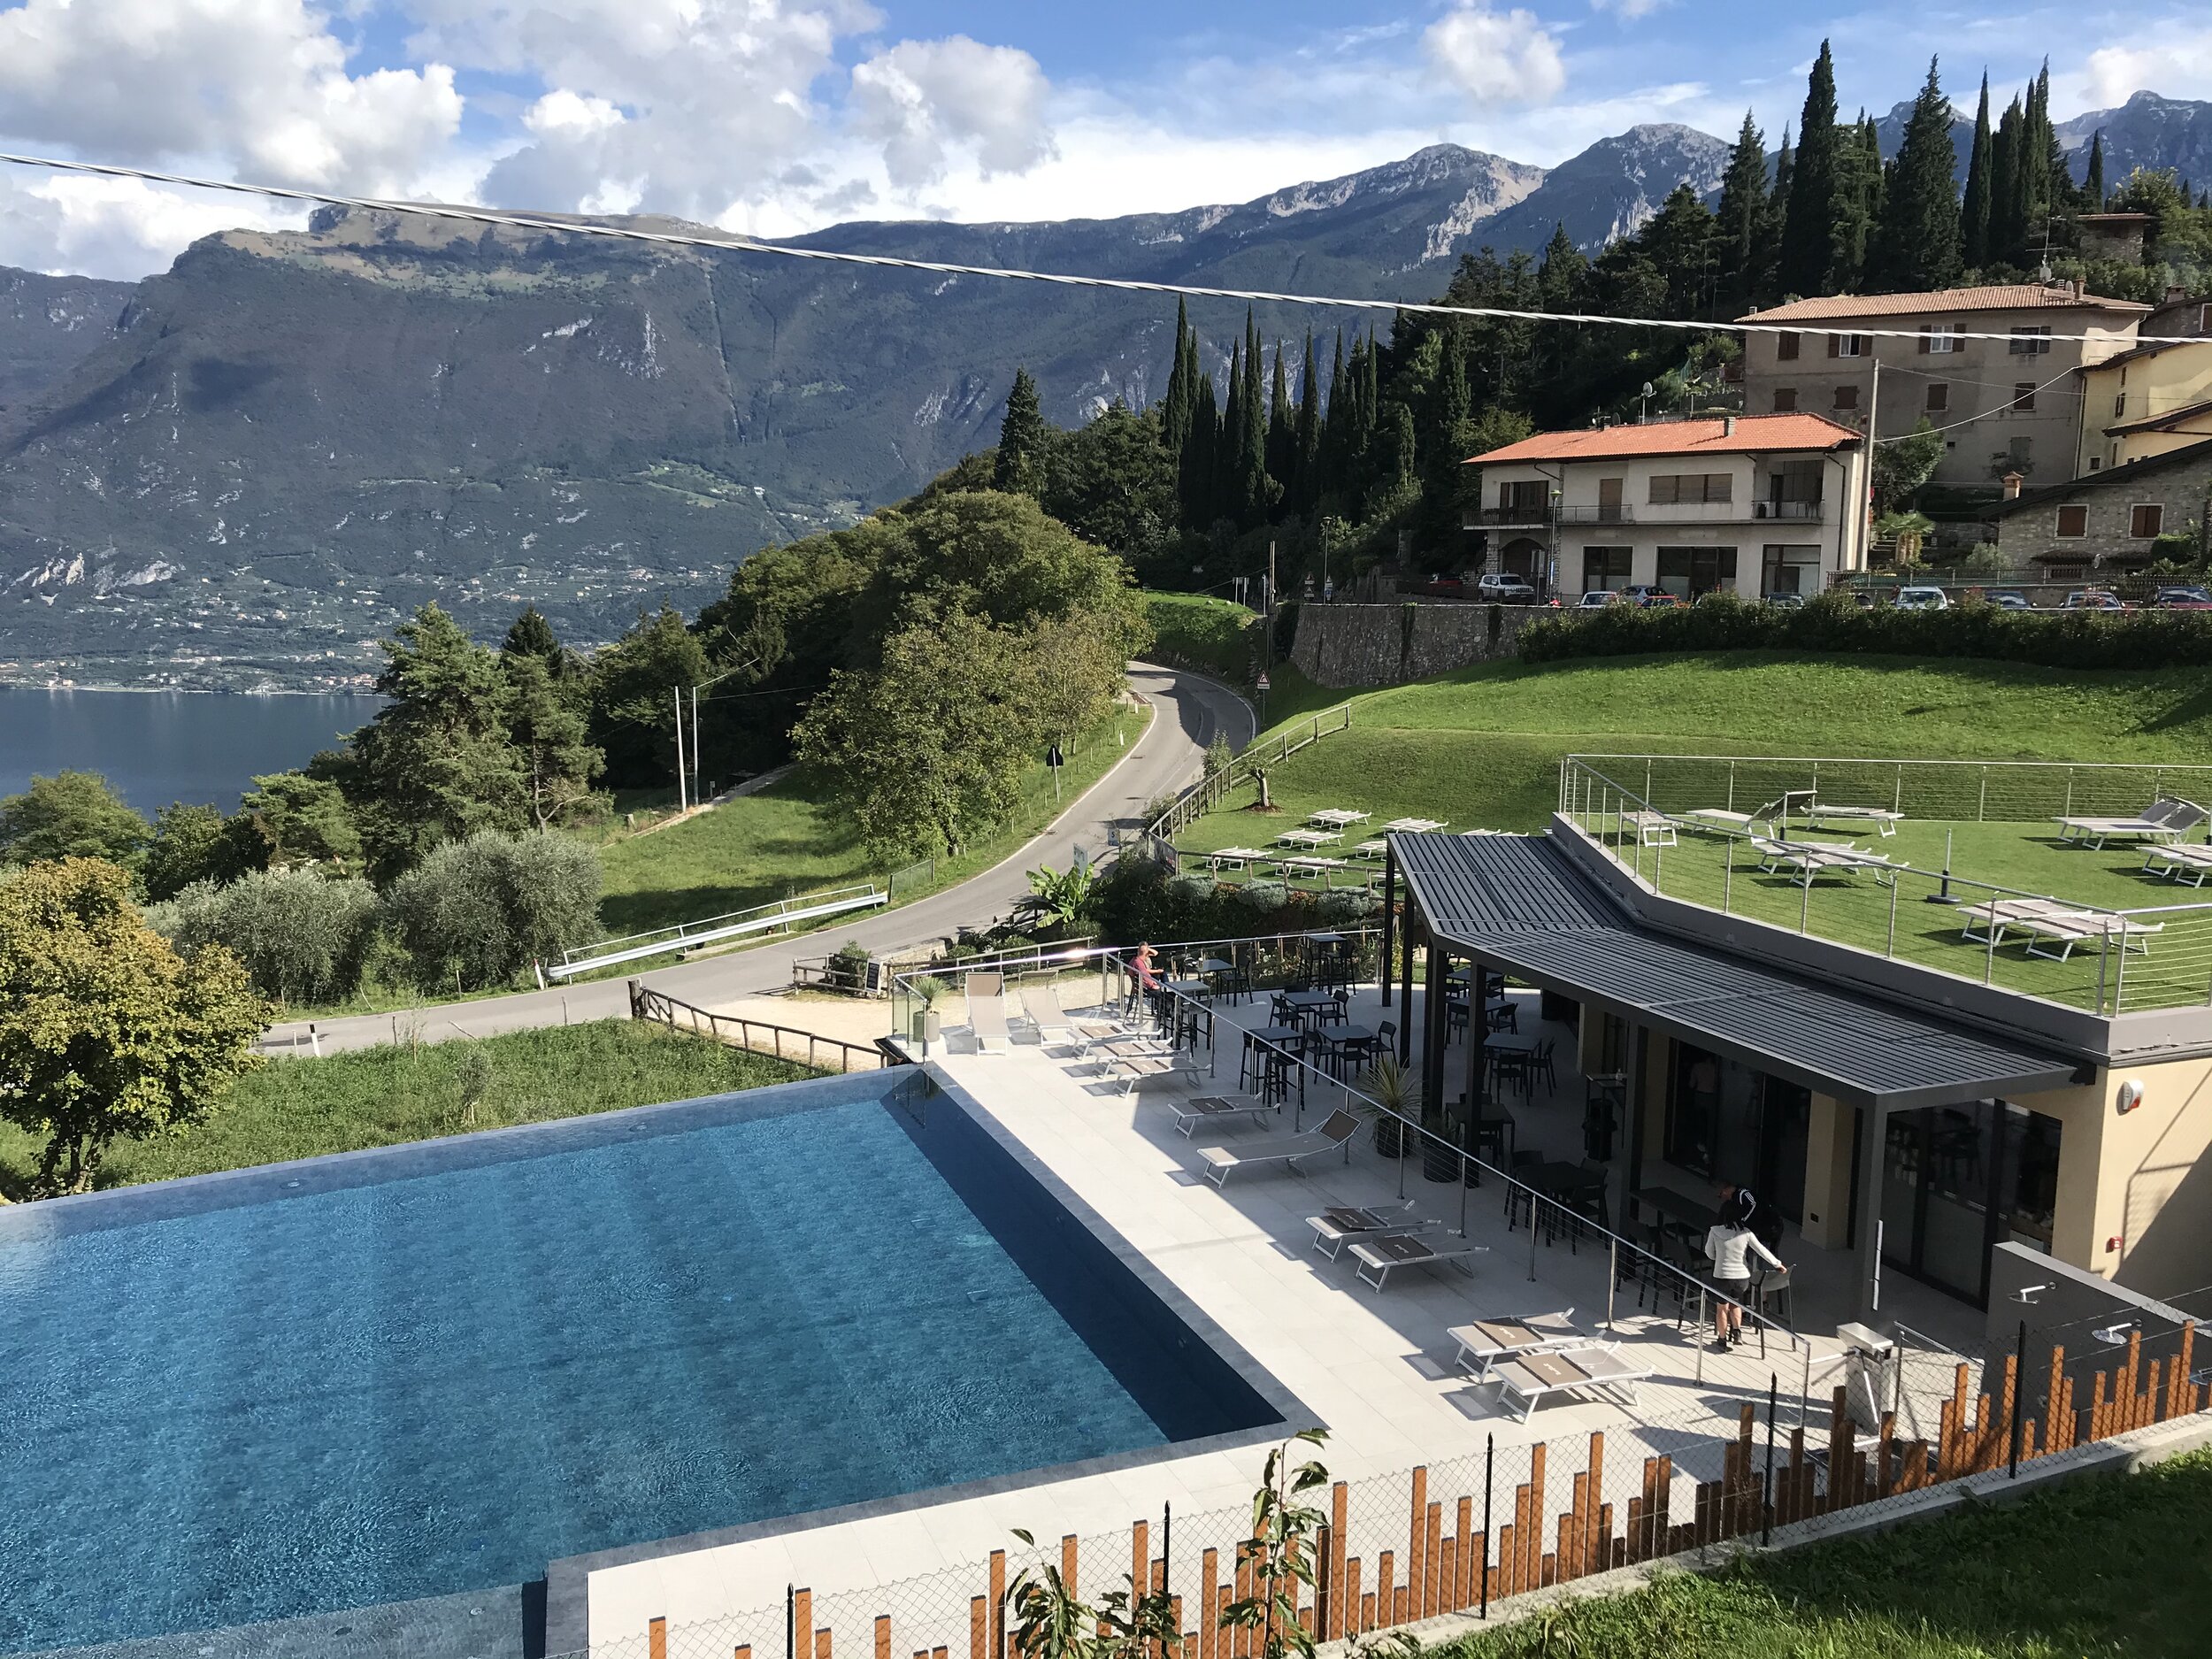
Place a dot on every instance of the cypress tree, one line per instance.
(1281, 435)
(1974, 212)
(1175, 409)
(2008, 208)
(1807, 253)
(2092, 185)
(1918, 244)
(1019, 468)
(1252, 442)
(2034, 168)
(1779, 208)
(1741, 222)
(1195, 478)
(1858, 203)
(1335, 424)
(1228, 468)
(1306, 457)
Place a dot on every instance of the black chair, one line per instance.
(1386, 1036)
(1520, 1166)
(1335, 1013)
(1455, 1019)
(1504, 1017)
(1541, 1061)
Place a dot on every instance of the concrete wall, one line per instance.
(1388, 645)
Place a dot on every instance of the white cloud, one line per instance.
(261, 84)
(1628, 11)
(2179, 67)
(923, 98)
(115, 227)
(1497, 57)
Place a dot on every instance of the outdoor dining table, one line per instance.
(1223, 977)
(1689, 1219)
(1342, 1041)
(1512, 1061)
(1306, 1004)
(1261, 1046)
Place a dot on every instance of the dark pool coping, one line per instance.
(567, 1599)
(370, 1166)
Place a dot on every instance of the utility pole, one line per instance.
(683, 803)
(1873, 438)
(1268, 648)
(698, 766)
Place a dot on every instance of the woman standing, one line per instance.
(1731, 1244)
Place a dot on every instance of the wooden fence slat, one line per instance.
(656, 1638)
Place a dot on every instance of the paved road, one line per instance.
(1187, 712)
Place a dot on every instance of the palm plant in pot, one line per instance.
(1398, 1092)
(929, 990)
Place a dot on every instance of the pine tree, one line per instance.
(2092, 185)
(1306, 456)
(1917, 247)
(1807, 254)
(1022, 437)
(1974, 212)
(1741, 223)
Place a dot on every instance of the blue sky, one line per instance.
(774, 116)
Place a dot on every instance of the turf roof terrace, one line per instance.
(2103, 928)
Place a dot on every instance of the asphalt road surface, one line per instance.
(1189, 712)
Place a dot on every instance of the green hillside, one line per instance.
(1481, 748)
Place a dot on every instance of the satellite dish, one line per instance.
(1647, 391)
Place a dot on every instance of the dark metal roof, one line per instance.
(1515, 901)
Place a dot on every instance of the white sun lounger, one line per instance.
(1525, 1380)
(1200, 1109)
(2167, 818)
(1142, 1073)
(986, 1012)
(1309, 838)
(1714, 818)
(1802, 860)
(1652, 829)
(1337, 817)
(2178, 864)
(1377, 1256)
(1334, 1135)
(1343, 1222)
(1413, 825)
(1040, 1005)
(1486, 1340)
(2047, 921)
(1238, 857)
(1880, 819)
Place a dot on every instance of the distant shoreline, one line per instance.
(189, 691)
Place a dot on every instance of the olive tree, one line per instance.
(482, 910)
(301, 934)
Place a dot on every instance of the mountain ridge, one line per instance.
(270, 452)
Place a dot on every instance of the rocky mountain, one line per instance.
(245, 470)
(2147, 131)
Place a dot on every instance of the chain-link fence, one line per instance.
(1457, 1534)
(1814, 847)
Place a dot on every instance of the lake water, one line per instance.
(164, 745)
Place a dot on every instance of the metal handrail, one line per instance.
(606, 953)
(649, 1003)
(1211, 786)
(1900, 760)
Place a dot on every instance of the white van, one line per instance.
(1922, 599)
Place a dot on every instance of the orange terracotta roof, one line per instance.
(1753, 434)
(2012, 296)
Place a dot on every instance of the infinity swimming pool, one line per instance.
(409, 1372)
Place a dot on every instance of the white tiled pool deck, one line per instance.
(1374, 1369)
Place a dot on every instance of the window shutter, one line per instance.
(1924, 339)
(1835, 345)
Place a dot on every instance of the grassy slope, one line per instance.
(779, 842)
(375, 1097)
(2115, 1566)
(1482, 746)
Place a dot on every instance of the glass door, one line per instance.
(1956, 1180)
(1785, 1133)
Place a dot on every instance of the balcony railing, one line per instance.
(1808, 510)
(1480, 518)
(1612, 513)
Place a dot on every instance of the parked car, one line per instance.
(1443, 588)
(2182, 599)
(2092, 599)
(1601, 599)
(1922, 599)
(1501, 588)
(2006, 599)
(1646, 594)
(1784, 601)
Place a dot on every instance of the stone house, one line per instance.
(2106, 522)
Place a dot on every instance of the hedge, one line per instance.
(1836, 623)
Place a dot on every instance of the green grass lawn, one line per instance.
(376, 1097)
(1481, 749)
(2118, 1567)
(1215, 636)
(780, 843)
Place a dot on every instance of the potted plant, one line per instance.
(1397, 1092)
(931, 990)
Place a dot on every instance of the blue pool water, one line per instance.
(400, 1382)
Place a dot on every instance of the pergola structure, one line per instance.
(1516, 904)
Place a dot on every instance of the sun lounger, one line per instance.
(1413, 825)
(1308, 838)
(1377, 1256)
(2050, 922)
(1487, 1341)
(1337, 817)
(1040, 1005)
(1802, 860)
(2167, 818)
(986, 1012)
(1238, 856)
(2178, 864)
(1370, 850)
(1880, 819)
(1714, 818)
(1652, 829)
(1201, 1109)
(1338, 1224)
(1528, 1378)
(1334, 1135)
(1142, 1073)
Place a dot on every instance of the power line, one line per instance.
(1130, 285)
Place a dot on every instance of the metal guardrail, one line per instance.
(763, 918)
(646, 1003)
(1207, 793)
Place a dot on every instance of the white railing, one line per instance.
(779, 916)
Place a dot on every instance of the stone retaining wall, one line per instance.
(1389, 644)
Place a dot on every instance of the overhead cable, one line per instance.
(788, 250)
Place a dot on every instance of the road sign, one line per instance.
(1052, 758)
(1263, 686)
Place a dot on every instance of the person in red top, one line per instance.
(1142, 966)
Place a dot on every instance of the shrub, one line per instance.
(483, 910)
(301, 935)
(1835, 623)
